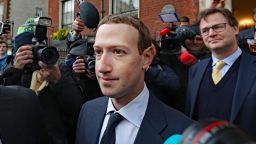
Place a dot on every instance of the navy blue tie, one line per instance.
(109, 136)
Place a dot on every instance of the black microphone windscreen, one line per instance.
(89, 14)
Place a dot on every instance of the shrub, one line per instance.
(60, 34)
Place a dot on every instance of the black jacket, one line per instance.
(60, 102)
(21, 120)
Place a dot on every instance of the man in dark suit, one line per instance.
(248, 34)
(21, 121)
(124, 51)
(224, 85)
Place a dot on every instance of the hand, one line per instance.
(218, 3)
(183, 49)
(50, 73)
(79, 65)
(23, 56)
(78, 26)
(252, 47)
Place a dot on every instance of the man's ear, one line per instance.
(236, 30)
(148, 56)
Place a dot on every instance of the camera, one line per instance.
(214, 131)
(82, 48)
(41, 51)
(169, 40)
(5, 27)
(90, 58)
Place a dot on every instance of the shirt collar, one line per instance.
(135, 110)
(230, 59)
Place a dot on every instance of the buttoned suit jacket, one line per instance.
(243, 112)
(21, 121)
(159, 122)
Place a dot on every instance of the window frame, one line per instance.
(133, 12)
(67, 13)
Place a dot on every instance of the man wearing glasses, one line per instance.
(224, 85)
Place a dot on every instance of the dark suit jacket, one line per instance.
(243, 111)
(20, 117)
(159, 122)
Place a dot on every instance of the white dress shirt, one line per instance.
(133, 113)
(229, 61)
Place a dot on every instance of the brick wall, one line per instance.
(53, 13)
(149, 11)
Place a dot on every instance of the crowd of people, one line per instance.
(138, 91)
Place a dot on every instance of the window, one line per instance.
(127, 7)
(39, 12)
(67, 13)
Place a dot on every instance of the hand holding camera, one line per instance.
(23, 56)
(32, 46)
(79, 65)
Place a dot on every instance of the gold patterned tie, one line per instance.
(216, 73)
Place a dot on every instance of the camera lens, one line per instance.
(48, 55)
(91, 63)
(212, 131)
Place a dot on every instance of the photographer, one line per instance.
(192, 42)
(59, 96)
(181, 47)
(161, 80)
(81, 60)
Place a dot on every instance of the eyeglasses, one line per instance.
(216, 28)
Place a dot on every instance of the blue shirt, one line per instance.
(229, 61)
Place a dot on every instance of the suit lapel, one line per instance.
(153, 123)
(246, 76)
(97, 120)
(196, 78)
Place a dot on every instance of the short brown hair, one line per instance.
(4, 42)
(225, 12)
(144, 40)
(184, 19)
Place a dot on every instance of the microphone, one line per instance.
(89, 14)
(164, 32)
(174, 139)
(187, 58)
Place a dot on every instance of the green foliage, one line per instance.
(60, 34)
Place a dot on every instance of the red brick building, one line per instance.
(5, 9)
(147, 10)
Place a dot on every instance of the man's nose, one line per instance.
(103, 64)
(212, 32)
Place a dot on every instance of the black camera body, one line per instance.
(41, 51)
(82, 47)
(89, 56)
(169, 40)
(5, 27)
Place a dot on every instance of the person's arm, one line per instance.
(75, 34)
(13, 74)
(163, 77)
